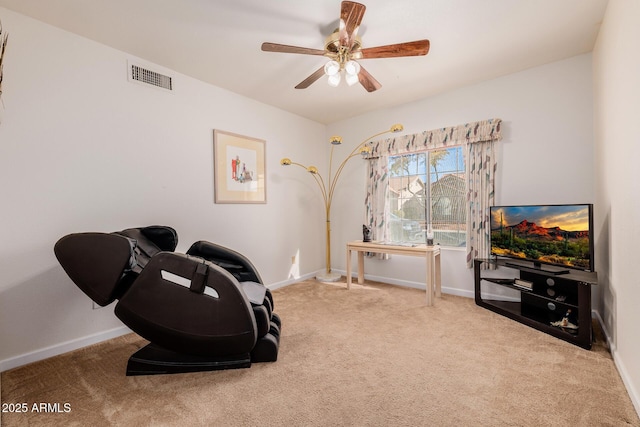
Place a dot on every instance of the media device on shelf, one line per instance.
(560, 237)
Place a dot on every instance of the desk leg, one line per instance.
(429, 281)
(348, 268)
(360, 267)
(438, 276)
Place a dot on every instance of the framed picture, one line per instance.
(239, 174)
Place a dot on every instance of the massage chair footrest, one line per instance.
(266, 349)
(154, 360)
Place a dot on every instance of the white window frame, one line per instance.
(414, 229)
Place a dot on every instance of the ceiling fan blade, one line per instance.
(351, 14)
(368, 81)
(416, 48)
(283, 48)
(311, 79)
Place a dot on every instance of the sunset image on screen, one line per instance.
(554, 234)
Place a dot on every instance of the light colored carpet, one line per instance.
(371, 356)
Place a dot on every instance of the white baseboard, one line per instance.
(61, 348)
(634, 394)
(291, 281)
(624, 374)
(411, 284)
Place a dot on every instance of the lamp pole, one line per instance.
(328, 192)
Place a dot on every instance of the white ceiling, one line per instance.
(218, 41)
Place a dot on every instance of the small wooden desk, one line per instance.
(431, 253)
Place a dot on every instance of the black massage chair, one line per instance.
(204, 310)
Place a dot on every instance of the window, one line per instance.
(442, 203)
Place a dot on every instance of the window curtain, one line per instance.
(376, 206)
(481, 166)
(480, 176)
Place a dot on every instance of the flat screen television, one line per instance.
(560, 236)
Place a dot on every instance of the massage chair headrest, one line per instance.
(146, 242)
(163, 237)
(234, 262)
(98, 262)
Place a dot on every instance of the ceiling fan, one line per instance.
(344, 47)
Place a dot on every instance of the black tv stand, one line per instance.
(538, 267)
(538, 298)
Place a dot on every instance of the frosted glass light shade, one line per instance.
(352, 68)
(351, 79)
(334, 80)
(331, 68)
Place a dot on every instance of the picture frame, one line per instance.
(239, 173)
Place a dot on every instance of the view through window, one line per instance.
(413, 204)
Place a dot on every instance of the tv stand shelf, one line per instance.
(536, 269)
(551, 298)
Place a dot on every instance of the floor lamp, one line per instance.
(328, 191)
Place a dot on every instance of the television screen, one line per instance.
(545, 234)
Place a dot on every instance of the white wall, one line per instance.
(546, 155)
(83, 149)
(616, 60)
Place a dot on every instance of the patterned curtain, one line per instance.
(468, 133)
(479, 138)
(480, 176)
(376, 206)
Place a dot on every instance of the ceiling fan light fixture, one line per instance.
(334, 80)
(351, 79)
(352, 68)
(332, 68)
(343, 48)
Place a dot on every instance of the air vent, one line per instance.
(143, 75)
